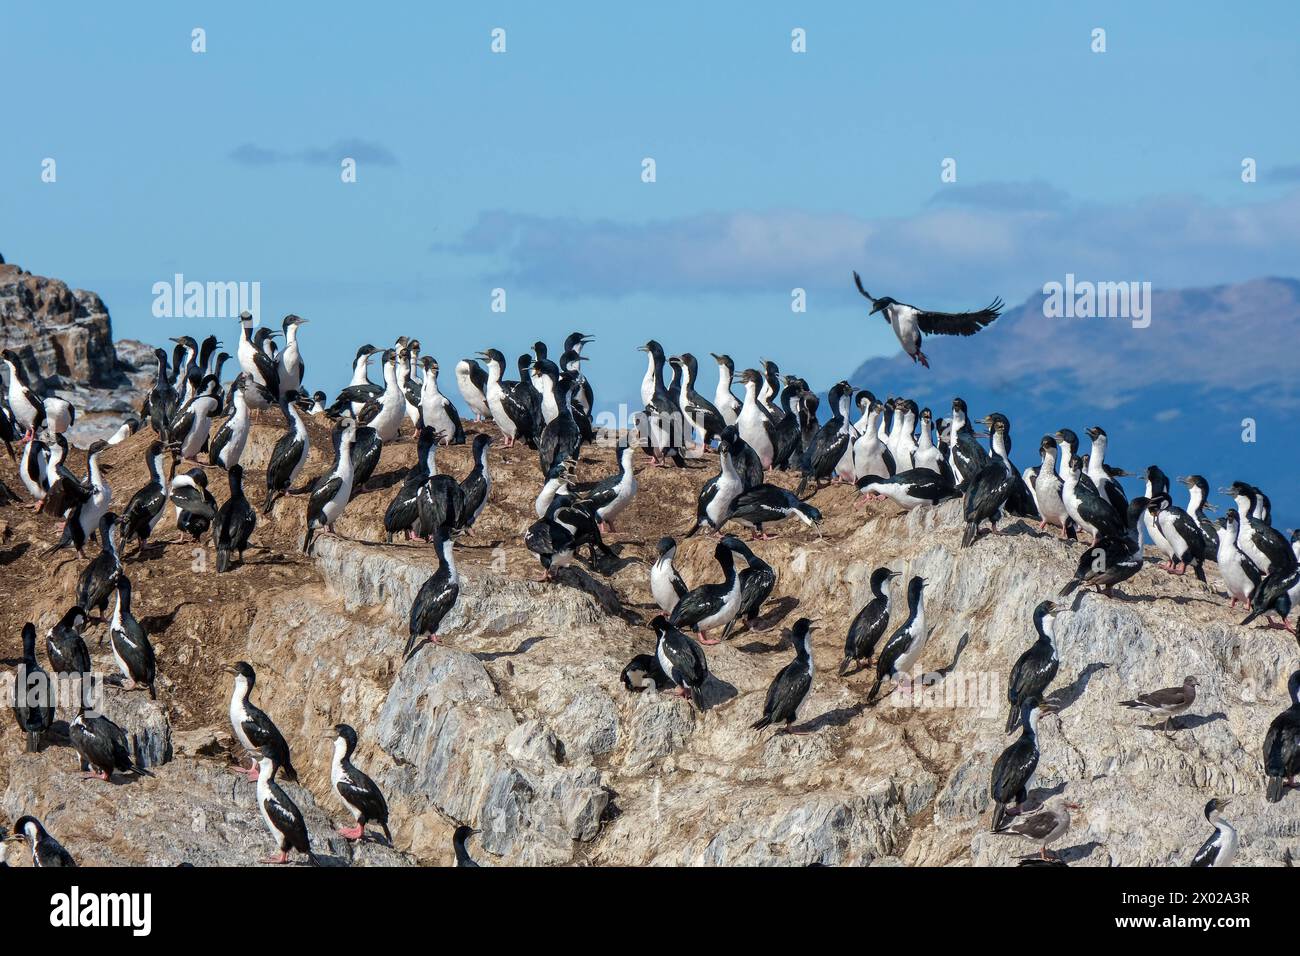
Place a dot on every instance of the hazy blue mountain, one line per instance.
(1173, 394)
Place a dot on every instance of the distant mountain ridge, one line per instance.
(1174, 394)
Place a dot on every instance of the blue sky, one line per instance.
(522, 170)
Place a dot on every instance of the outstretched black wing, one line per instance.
(958, 323)
(857, 279)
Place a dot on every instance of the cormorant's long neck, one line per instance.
(1031, 725)
(999, 445)
(342, 753)
(1064, 461)
(1097, 458)
(299, 426)
(343, 466)
(728, 562)
(109, 545)
(360, 369)
(728, 465)
(658, 362)
(446, 559)
(1047, 632)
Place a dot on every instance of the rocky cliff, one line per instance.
(520, 726)
(65, 340)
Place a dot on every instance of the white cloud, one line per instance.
(998, 238)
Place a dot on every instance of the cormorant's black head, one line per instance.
(1044, 613)
(291, 321)
(1195, 481)
(654, 348)
(799, 636)
(364, 352)
(725, 361)
(1239, 489)
(882, 303)
(540, 350)
(665, 546)
(236, 477)
(462, 834)
(1230, 520)
(914, 589)
(576, 340)
(751, 377)
(734, 544)
(481, 442)
(244, 670)
(1030, 708)
(659, 624)
(1135, 508)
(1048, 443)
(74, 618)
(1068, 438)
(1095, 432)
(198, 476)
(1293, 687)
(95, 448)
(348, 734)
(1215, 806)
(880, 577)
(29, 640)
(108, 522)
(27, 826)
